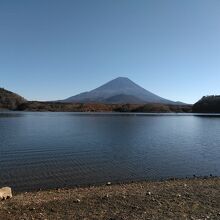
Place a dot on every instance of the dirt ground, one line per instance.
(174, 199)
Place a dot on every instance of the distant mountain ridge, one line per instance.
(120, 90)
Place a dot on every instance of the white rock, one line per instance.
(5, 193)
(77, 200)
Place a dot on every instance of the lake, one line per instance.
(50, 150)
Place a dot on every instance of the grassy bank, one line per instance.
(176, 199)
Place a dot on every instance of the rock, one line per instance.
(5, 193)
(77, 201)
(148, 193)
(32, 209)
(108, 183)
(105, 197)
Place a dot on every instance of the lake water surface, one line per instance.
(47, 150)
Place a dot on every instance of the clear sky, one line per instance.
(53, 49)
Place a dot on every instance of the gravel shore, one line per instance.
(174, 199)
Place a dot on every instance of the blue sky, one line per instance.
(53, 49)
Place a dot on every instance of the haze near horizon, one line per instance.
(51, 50)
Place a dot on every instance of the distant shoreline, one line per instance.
(97, 107)
(92, 113)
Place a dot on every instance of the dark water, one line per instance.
(46, 150)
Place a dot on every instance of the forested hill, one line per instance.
(10, 100)
(208, 104)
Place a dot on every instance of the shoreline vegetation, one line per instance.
(196, 198)
(98, 107)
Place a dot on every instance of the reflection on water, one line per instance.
(41, 150)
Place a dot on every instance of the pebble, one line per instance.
(77, 201)
(109, 183)
(32, 209)
(106, 196)
(149, 193)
